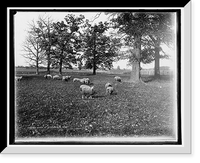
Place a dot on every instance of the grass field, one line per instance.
(54, 108)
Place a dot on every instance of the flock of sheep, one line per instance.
(86, 90)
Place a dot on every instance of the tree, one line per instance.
(144, 33)
(67, 40)
(161, 32)
(100, 50)
(33, 50)
(44, 31)
(133, 26)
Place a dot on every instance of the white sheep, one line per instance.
(48, 76)
(117, 78)
(66, 78)
(86, 80)
(76, 79)
(109, 88)
(108, 84)
(57, 77)
(87, 91)
(83, 81)
(18, 78)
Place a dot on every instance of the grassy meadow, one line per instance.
(54, 108)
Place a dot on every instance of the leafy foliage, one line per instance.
(144, 33)
(67, 40)
(100, 49)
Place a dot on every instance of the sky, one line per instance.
(21, 25)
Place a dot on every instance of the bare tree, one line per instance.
(33, 51)
(42, 29)
(46, 33)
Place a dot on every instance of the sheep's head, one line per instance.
(93, 91)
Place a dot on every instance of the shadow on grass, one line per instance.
(162, 78)
(98, 96)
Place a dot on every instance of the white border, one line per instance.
(8, 75)
(185, 105)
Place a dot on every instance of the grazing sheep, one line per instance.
(109, 90)
(83, 81)
(57, 77)
(87, 91)
(66, 78)
(18, 78)
(76, 79)
(48, 76)
(108, 85)
(117, 78)
(86, 80)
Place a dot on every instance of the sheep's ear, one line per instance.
(92, 87)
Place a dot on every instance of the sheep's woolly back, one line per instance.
(108, 84)
(117, 78)
(56, 77)
(83, 81)
(87, 90)
(76, 79)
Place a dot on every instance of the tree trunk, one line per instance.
(37, 67)
(94, 55)
(157, 64)
(48, 63)
(60, 66)
(135, 73)
(157, 59)
(94, 65)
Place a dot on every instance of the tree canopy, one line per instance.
(75, 40)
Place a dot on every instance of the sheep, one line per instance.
(86, 80)
(57, 77)
(117, 78)
(108, 84)
(18, 78)
(66, 78)
(47, 76)
(76, 79)
(109, 88)
(83, 81)
(87, 91)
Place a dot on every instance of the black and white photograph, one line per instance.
(97, 76)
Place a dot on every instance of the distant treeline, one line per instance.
(29, 67)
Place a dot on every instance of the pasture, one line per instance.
(54, 108)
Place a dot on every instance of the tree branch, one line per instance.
(96, 17)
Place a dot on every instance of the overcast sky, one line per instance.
(22, 19)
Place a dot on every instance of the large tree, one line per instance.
(100, 49)
(144, 33)
(45, 32)
(67, 40)
(33, 51)
(161, 32)
(133, 26)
